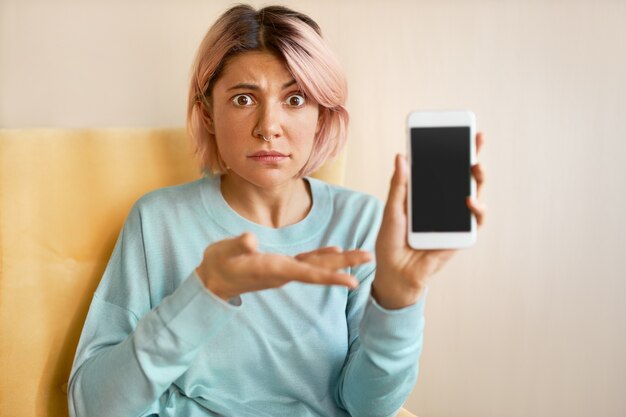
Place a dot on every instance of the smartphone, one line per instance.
(441, 151)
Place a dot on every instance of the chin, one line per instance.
(267, 177)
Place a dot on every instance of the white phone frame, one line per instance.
(441, 118)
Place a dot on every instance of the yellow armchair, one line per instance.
(64, 195)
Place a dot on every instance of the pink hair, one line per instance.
(295, 38)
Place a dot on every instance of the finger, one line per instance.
(285, 269)
(320, 276)
(394, 208)
(480, 140)
(478, 172)
(478, 209)
(320, 251)
(328, 249)
(335, 261)
(356, 257)
(244, 244)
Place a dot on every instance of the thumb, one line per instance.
(240, 245)
(394, 209)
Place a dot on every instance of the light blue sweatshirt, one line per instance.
(156, 342)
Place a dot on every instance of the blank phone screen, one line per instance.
(441, 179)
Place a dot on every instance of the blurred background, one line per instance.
(530, 322)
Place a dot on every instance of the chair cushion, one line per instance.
(64, 195)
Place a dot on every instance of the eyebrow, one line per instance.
(248, 86)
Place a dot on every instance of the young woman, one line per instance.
(253, 291)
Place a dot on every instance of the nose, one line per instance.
(269, 124)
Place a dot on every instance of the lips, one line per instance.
(268, 156)
(266, 153)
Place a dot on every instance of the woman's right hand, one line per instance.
(234, 266)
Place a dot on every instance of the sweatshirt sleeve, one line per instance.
(129, 353)
(384, 348)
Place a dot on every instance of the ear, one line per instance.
(210, 125)
(208, 117)
(320, 117)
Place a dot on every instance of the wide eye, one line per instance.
(242, 100)
(296, 100)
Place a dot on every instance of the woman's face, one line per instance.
(256, 96)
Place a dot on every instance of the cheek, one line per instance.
(231, 130)
(228, 146)
(224, 121)
(308, 124)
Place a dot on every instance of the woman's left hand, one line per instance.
(401, 272)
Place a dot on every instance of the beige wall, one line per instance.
(531, 322)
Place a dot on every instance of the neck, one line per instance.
(276, 206)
